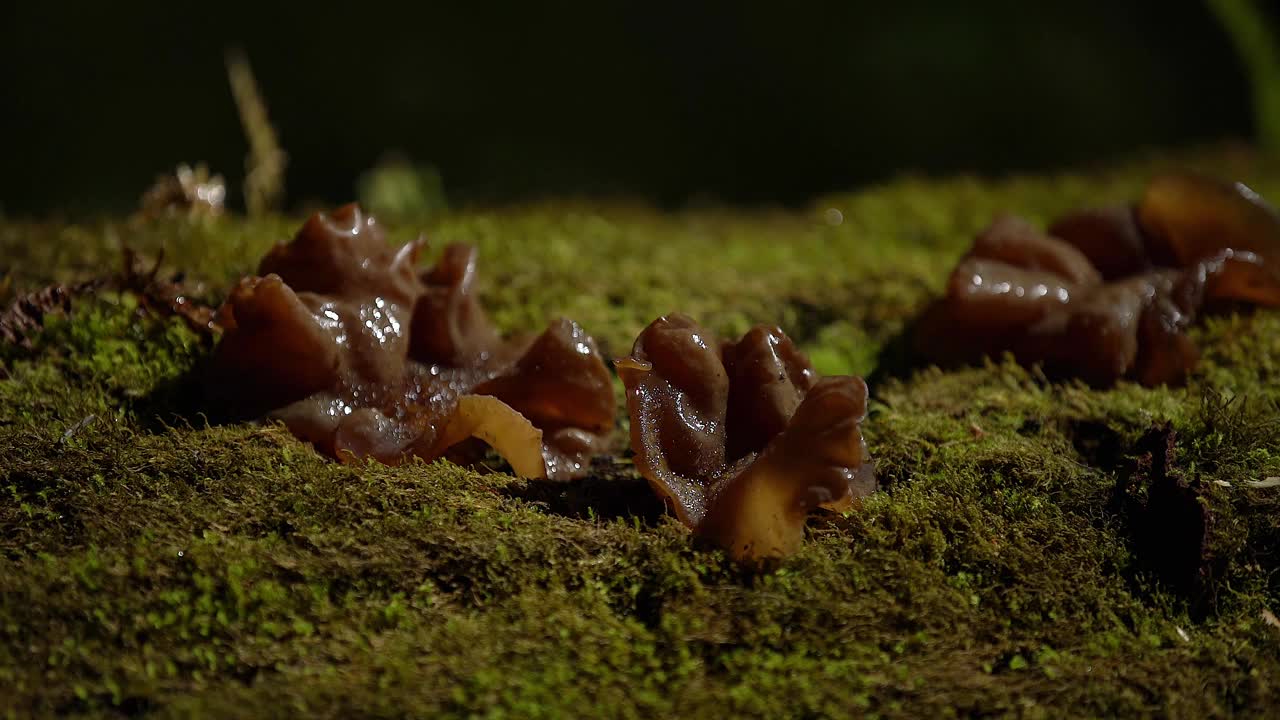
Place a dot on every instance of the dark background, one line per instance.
(673, 102)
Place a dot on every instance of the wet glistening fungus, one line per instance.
(743, 439)
(341, 338)
(1108, 294)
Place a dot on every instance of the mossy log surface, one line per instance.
(155, 563)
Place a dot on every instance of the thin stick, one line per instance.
(265, 163)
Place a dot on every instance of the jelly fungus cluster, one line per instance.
(341, 338)
(743, 438)
(1109, 293)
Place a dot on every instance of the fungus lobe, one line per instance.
(743, 438)
(341, 338)
(1109, 293)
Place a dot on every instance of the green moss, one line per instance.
(153, 563)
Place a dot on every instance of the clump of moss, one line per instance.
(155, 562)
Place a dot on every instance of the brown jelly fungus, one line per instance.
(1109, 293)
(743, 439)
(343, 339)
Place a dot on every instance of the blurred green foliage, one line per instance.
(1258, 45)
(395, 188)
